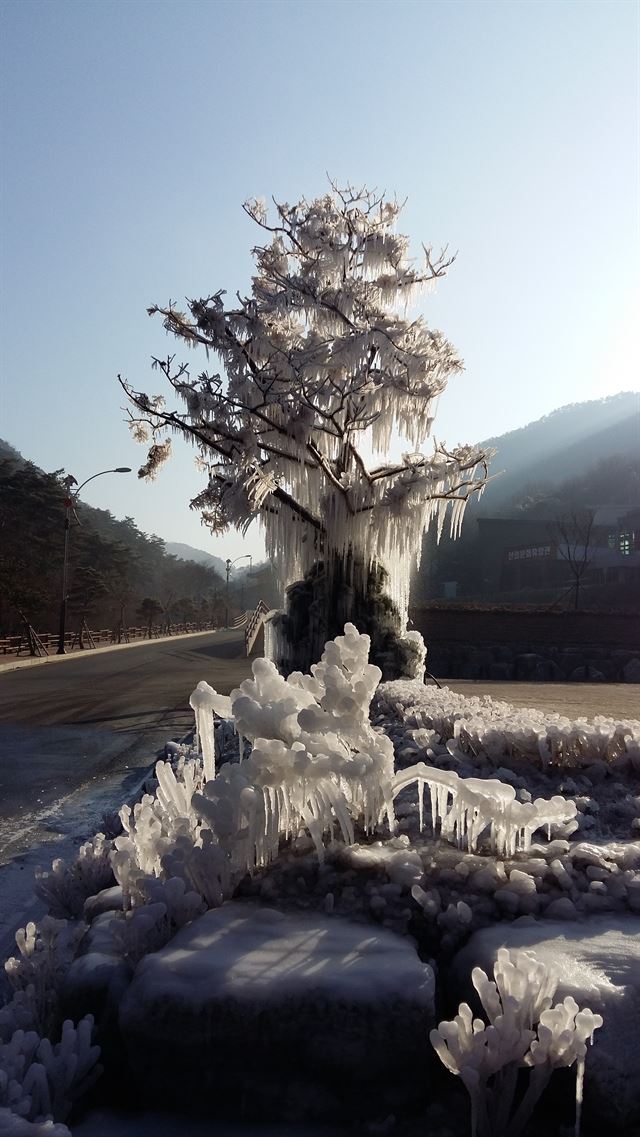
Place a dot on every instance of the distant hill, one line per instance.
(580, 457)
(188, 553)
(563, 445)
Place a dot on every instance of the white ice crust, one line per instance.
(248, 953)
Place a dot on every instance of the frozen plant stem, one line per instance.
(524, 1031)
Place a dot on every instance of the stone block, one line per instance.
(256, 1013)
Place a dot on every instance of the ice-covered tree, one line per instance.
(321, 366)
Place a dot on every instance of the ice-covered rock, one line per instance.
(598, 963)
(293, 1015)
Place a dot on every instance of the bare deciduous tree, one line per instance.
(572, 535)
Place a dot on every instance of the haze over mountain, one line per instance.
(564, 444)
(200, 556)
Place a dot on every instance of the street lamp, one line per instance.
(69, 505)
(230, 565)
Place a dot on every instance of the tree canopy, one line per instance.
(322, 364)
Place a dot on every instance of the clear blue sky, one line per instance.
(133, 130)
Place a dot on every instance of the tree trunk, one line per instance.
(334, 592)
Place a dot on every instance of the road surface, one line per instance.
(74, 729)
(573, 700)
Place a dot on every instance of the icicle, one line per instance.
(580, 1062)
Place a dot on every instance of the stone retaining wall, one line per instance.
(502, 644)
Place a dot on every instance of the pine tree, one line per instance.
(322, 364)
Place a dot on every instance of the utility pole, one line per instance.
(230, 565)
(70, 504)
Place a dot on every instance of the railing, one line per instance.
(47, 643)
(254, 623)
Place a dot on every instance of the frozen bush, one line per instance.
(66, 887)
(46, 951)
(156, 823)
(39, 1080)
(524, 1031)
(13, 1126)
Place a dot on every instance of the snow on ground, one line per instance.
(340, 853)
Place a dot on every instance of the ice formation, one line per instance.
(45, 1063)
(524, 1031)
(463, 808)
(500, 731)
(39, 1080)
(313, 765)
(205, 702)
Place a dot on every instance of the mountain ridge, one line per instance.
(563, 444)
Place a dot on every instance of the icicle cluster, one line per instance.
(462, 809)
(524, 1031)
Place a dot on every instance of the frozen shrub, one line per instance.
(40, 1080)
(46, 951)
(159, 907)
(483, 726)
(13, 1126)
(155, 824)
(66, 887)
(524, 1031)
(316, 761)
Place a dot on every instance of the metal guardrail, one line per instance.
(254, 623)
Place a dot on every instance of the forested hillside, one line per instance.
(566, 446)
(580, 458)
(116, 572)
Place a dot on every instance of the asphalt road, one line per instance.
(574, 700)
(73, 731)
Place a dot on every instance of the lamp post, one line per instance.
(69, 504)
(230, 565)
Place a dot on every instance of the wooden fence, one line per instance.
(36, 644)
